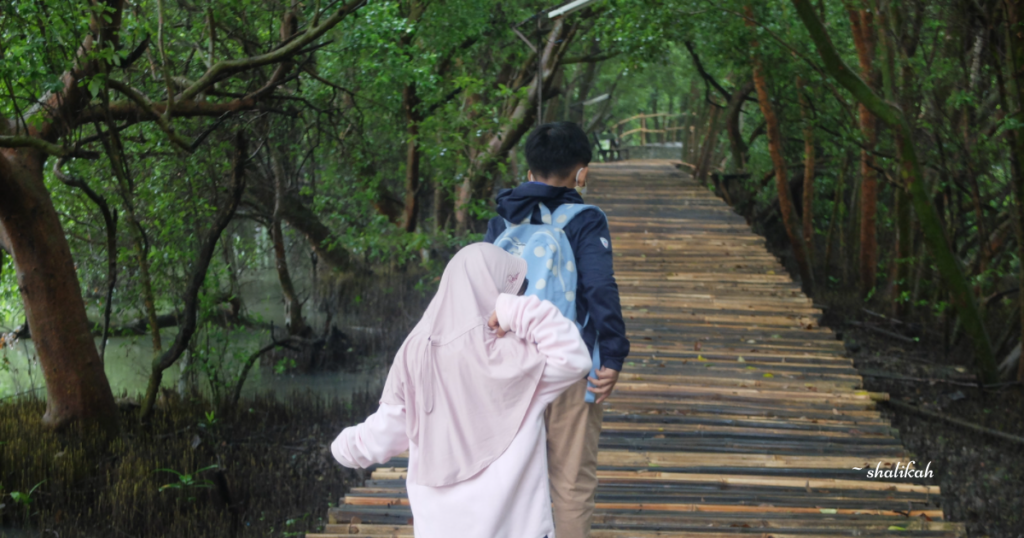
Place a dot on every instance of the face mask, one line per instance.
(582, 190)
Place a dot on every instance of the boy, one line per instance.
(558, 155)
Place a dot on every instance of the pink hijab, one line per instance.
(465, 391)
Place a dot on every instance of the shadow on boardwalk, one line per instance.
(736, 413)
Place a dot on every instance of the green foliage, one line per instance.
(11, 310)
(187, 482)
(337, 130)
(25, 498)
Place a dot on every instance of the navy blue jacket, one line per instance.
(596, 291)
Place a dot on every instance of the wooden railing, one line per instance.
(668, 132)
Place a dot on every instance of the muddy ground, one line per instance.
(982, 477)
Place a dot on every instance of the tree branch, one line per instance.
(132, 113)
(135, 54)
(590, 59)
(708, 79)
(104, 28)
(225, 68)
(110, 219)
(21, 141)
(202, 262)
(146, 104)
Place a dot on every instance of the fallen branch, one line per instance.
(999, 295)
(912, 326)
(900, 404)
(901, 377)
(221, 317)
(883, 332)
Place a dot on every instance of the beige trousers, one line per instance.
(573, 428)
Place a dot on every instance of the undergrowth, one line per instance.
(264, 469)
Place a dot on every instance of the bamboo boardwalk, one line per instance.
(736, 414)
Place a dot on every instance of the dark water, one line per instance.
(127, 359)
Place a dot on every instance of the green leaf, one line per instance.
(21, 498)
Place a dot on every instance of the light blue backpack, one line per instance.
(550, 263)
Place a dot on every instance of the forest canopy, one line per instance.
(152, 152)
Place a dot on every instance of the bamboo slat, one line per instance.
(736, 413)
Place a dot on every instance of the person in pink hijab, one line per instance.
(466, 397)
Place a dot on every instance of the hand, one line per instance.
(493, 323)
(603, 385)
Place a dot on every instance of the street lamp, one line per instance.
(560, 11)
(570, 7)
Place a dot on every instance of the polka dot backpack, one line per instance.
(551, 265)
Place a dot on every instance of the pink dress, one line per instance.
(510, 497)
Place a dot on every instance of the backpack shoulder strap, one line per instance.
(545, 217)
(545, 213)
(566, 212)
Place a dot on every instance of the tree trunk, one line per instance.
(231, 261)
(903, 251)
(148, 299)
(115, 152)
(521, 116)
(412, 157)
(707, 149)
(732, 125)
(1015, 12)
(293, 320)
(837, 201)
(686, 107)
(304, 220)
(808, 190)
(590, 72)
(190, 314)
(946, 261)
(781, 172)
(555, 101)
(862, 24)
(76, 386)
(29, 226)
(442, 206)
(110, 222)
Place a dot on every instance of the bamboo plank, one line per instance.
(735, 414)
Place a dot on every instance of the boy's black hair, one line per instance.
(556, 148)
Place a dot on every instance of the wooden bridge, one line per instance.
(736, 415)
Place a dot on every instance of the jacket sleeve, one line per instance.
(555, 336)
(378, 439)
(494, 228)
(596, 284)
